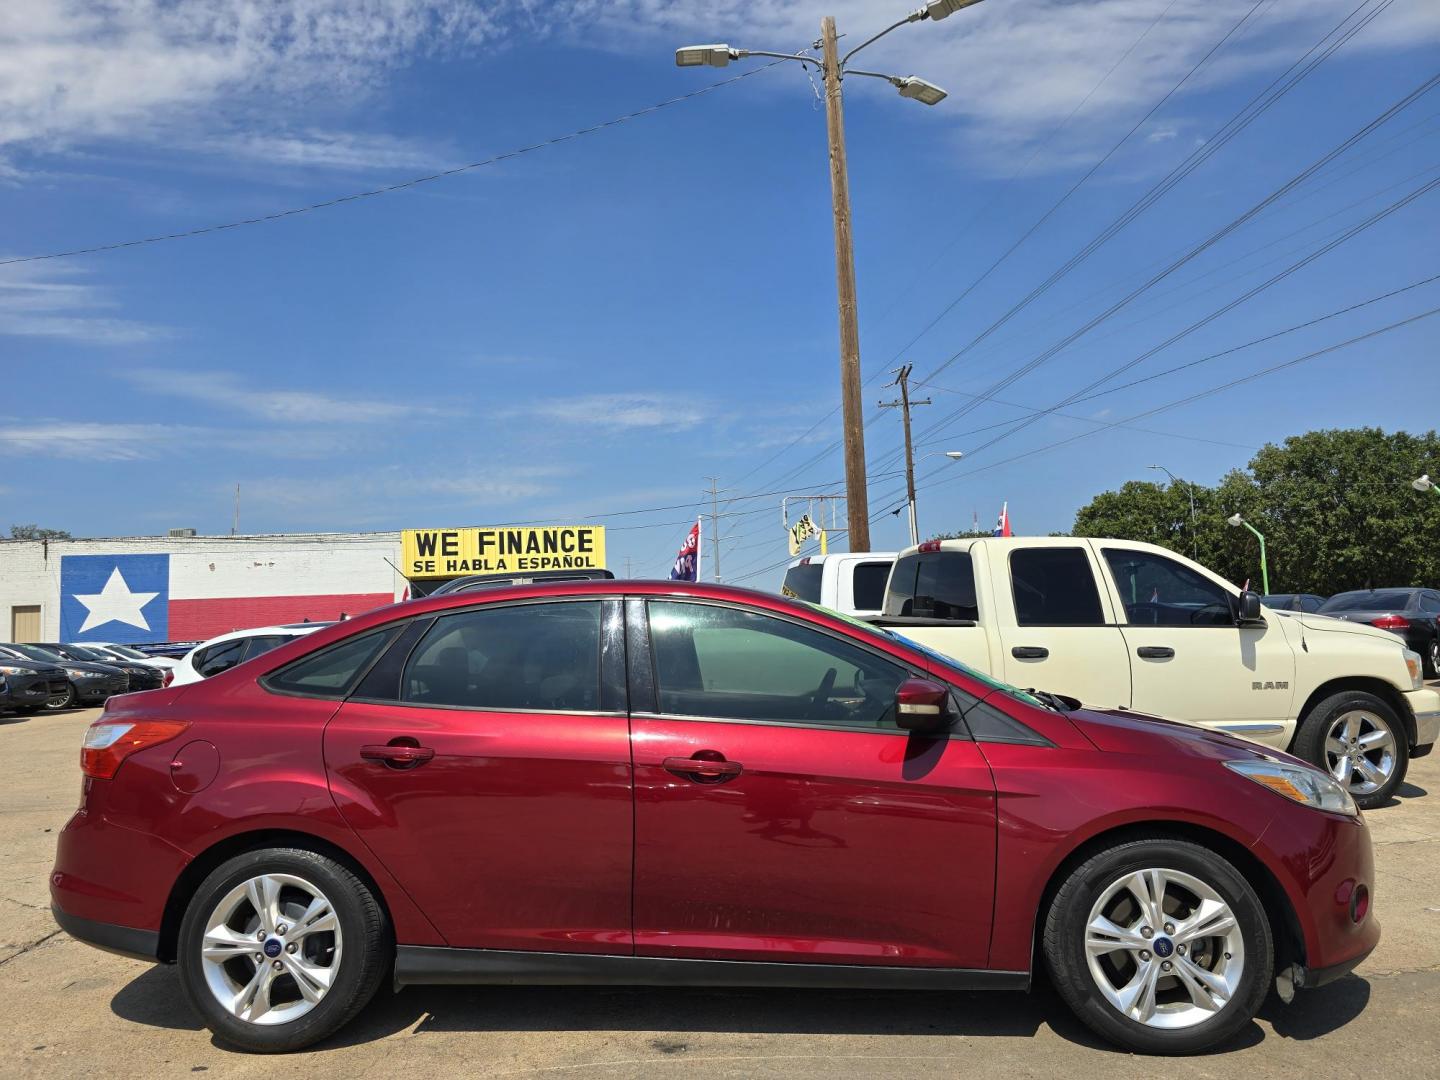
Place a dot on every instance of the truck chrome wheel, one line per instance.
(271, 949)
(1164, 949)
(1360, 751)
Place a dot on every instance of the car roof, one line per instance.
(258, 631)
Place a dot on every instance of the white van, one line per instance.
(1124, 625)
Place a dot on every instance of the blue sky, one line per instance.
(597, 327)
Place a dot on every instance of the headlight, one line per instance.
(1301, 783)
(6, 670)
(1417, 669)
(76, 673)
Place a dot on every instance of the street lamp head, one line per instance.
(954, 455)
(940, 9)
(702, 55)
(927, 93)
(1236, 520)
(1423, 483)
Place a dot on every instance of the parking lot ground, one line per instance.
(67, 1010)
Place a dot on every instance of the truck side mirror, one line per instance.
(1249, 610)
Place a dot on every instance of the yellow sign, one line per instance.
(430, 553)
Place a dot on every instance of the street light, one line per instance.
(1424, 483)
(1237, 521)
(833, 67)
(1194, 536)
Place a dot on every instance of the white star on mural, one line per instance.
(115, 603)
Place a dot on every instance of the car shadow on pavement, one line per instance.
(1401, 794)
(155, 999)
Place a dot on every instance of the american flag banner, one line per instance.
(687, 562)
(1002, 524)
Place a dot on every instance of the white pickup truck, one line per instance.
(1117, 624)
(847, 582)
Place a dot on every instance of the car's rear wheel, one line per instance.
(1357, 738)
(1160, 946)
(62, 701)
(1432, 658)
(280, 948)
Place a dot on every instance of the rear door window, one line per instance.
(264, 643)
(1054, 587)
(933, 585)
(869, 585)
(221, 657)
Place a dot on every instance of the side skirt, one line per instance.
(421, 964)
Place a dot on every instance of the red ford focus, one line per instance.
(644, 783)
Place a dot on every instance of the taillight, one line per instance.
(168, 677)
(929, 545)
(110, 742)
(1391, 622)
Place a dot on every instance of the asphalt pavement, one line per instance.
(68, 1010)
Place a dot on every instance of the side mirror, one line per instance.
(922, 705)
(1249, 612)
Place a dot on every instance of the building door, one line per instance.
(25, 622)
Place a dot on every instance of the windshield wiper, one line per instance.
(1055, 701)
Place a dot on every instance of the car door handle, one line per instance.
(398, 755)
(705, 770)
(1029, 652)
(1155, 652)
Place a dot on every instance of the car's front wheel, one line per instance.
(62, 700)
(1160, 946)
(280, 948)
(1432, 659)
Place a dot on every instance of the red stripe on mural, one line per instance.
(196, 620)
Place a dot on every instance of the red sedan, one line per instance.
(647, 783)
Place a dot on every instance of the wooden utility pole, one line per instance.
(902, 380)
(857, 499)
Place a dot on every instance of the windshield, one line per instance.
(125, 651)
(1368, 600)
(34, 652)
(79, 652)
(938, 657)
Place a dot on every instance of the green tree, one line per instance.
(1336, 508)
(35, 532)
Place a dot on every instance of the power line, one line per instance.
(402, 185)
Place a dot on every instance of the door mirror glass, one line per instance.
(922, 705)
(1249, 612)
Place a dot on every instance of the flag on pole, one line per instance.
(1002, 526)
(687, 562)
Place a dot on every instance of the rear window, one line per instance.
(1369, 600)
(933, 585)
(802, 582)
(869, 582)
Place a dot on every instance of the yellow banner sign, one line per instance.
(431, 553)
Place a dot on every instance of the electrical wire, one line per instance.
(401, 185)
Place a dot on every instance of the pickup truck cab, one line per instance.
(1124, 625)
(847, 582)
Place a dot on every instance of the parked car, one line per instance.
(846, 582)
(534, 769)
(27, 685)
(1411, 614)
(226, 651)
(140, 676)
(172, 650)
(126, 654)
(471, 582)
(1299, 601)
(1118, 624)
(85, 683)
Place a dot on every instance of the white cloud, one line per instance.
(54, 300)
(619, 412)
(340, 150)
(225, 391)
(103, 441)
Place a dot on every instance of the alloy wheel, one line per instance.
(1164, 948)
(61, 701)
(271, 949)
(1360, 751)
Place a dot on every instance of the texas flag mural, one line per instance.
(152, 598)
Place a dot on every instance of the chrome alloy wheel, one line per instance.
(1360, 751)
(1164, 949)
(271, 949)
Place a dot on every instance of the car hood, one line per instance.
(1121, 731)
(92, 669)
(1354, 622)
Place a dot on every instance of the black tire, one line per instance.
(1431, 659)
(364, 959)
(1316, 725)
(62, 701)
(1066, 958)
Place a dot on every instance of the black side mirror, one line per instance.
(1249, 609)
